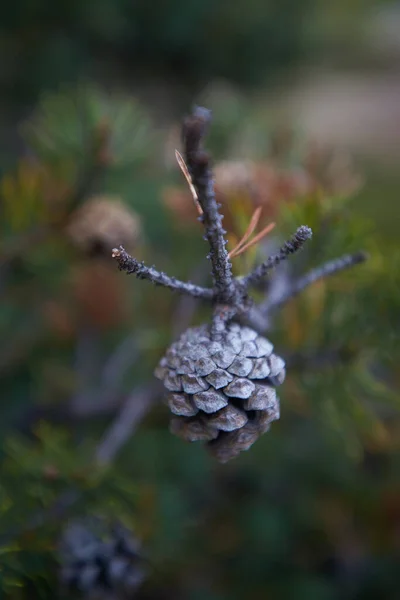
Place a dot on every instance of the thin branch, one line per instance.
(198, 163)
(92, 400)
(135, 408)
(302, 234)
(132, 266)
(222, 315)
(329, 268)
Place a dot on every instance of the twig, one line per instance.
(134, 409)
(198, 163)
(222, 315)
(86, 367)
(302, 234)
(132, 266)
(118, 363)
(329, 268)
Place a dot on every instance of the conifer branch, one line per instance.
(325, 270)
(295, 243)
(122, 428)
(132, 266)
(198, 163)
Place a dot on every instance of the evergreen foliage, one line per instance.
(312, 509)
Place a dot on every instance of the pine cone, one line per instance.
(222, 392)
(97, 562)
(102, 223)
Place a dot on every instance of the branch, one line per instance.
(198, 163)
(302, 234)
(132, 266)
(222, 315)
(133, 411)
(329, 268)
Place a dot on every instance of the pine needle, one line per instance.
(188, 178)
(249, 231)
(242, 246)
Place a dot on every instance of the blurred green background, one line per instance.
(305, 99)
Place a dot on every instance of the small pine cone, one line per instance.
(102, 223)
(222, 392)
(97, 562)
(260, 184)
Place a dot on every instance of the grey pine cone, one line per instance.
(96, 562)
(222, 392)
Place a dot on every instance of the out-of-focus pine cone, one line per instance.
(262, 183)
(97, 563)
(255, 184)
(222, 392)
(102, 223)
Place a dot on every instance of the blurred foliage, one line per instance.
(312, 510)
(194, 41)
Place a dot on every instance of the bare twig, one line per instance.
(329, 268)
(222, 315)
(118, 363)
(134, 409)
(132, 266)
(302, 234)
(198, 163)
(103, 396)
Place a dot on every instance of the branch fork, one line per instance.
(229, 295)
